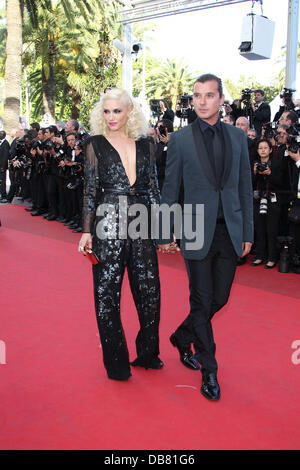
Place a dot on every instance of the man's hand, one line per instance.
(246, 248)
(295, 156)
(169, 247)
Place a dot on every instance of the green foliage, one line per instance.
(235, 89)
(170, 79)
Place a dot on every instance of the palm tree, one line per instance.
(13, 64)
(41, 15)
(61, 52)
(170, 80)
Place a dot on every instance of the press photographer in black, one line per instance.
(287, 103)
(53, 154)
(163, 128)
(268, 175)
(257, 111)
(185, 109)
(293, 146)
(165, 112)
(74, 182)
(4, 157)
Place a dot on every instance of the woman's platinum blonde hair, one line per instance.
(136, 126)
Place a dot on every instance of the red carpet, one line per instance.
(54, 392)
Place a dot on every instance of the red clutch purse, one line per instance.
(91, 256)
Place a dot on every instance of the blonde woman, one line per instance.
(120, 172)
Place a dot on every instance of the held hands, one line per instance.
(169, 247)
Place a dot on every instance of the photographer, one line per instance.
(243, 123)
(68, 163)
(258, 112)
(267, 181)
(287, 103)
(75, 185)
(20, 169)
(261, 111)
(54, 154)
(4, 157)
(185, 109)
(289, 118)
(294, 210)
(163, 129)
(165, 112)
(41, 181)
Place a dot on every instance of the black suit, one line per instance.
(210, 267)
(261, 116)
(4, 157)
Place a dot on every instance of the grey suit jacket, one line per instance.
(188, 161)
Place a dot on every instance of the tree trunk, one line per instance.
(13, 65)
(48, 82)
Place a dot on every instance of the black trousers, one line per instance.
(266, 231)
(3, 183)
(140, 258)
(210, 282)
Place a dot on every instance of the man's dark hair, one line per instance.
(75, 124)
(35, 125)
(3, 134)
(72, 133)
(259, 90)
(166, 123)
(264, 139)
(292, 116)
(283, 126)
(52, 129)
(32, 134)
(208, 77)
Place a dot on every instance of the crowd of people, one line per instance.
(275, 163)
(46, 167)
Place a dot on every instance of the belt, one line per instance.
(124, 192)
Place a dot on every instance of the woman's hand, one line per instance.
(267, 172)
(85, 242)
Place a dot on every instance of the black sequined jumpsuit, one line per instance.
(106, 182)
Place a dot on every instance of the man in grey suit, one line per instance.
(211, 158)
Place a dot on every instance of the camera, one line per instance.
(287, 96)
(162, 131)
(246, 95)
(36, 144)
(155, 107)
(79, 145)
(262, 166)
(293, 140)
(270, 129)
(185, 99)
(20, 147)
(285, 245)
(49, 145)
(263, 206)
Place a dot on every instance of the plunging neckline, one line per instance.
(131, 185)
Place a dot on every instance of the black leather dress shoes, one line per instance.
(210, 388)
(186, 356)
